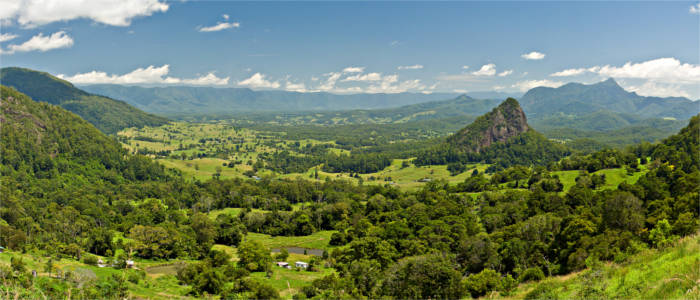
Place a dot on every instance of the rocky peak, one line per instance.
(503, 122)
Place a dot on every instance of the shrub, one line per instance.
(90, 260)
(531, 274)
(482, 283)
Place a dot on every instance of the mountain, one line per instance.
(501, 137)
(106, 114)
(48, 142)
(503, 122)
(581, 99)
(174, 100)
(461, 106)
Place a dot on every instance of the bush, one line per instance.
(482, 283)
(532, 274)
(90, 260)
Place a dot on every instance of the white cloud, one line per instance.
(4, 37)
(669, 70)
(529, 84)
(486, 70)
(534, 55)
(695, 9)
(413, 67)
(220, 26)
(295, 87)
(209, 79)
(43, 43)
(465, 67)
(258, 81)
(364, 77)
(225, 16)
(148, 75)
(505, 73)
(31, 13)
(569, 72)
(354, 70)
(651, 88)
(461, 91)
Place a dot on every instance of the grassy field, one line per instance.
(613, 177)
(672, 273)
(317, 240)
(243, 147)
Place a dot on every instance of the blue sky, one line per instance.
(347, 47)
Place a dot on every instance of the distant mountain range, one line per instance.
(108, 115)
(580, 99)
(179, 100)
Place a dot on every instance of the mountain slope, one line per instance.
(501, 137)
(46, 140)
(503, 122)
(174, 100)
(580, 99)
(106, 114)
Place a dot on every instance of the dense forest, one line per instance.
(69, 191)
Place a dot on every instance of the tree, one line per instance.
(660, 236)
(283, 255)
(254, 256)
(480, 284)
(423, 277)
(50, 266)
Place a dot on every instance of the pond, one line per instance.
(300, 250)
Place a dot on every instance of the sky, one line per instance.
(652, 48)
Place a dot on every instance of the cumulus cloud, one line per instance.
(4, 37)
(695, 9)
(656, 89)
(295, 87)
(505, 73)
(413, 67)
(31, 13)
(354, 70)
(148, 75)
(534, 55)
(225, 16)
(465, 67)
(669, 70)
(42, 43)
(220, 26)
(258, 81)
(486, 70)
(569, 72)
(364, 77)
(530, 84)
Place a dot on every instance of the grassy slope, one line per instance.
(672, 273)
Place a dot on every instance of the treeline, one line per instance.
(529, 149)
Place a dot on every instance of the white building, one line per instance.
(301, 264)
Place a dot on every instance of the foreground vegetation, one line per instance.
(72, 196)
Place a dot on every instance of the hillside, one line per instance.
(501, 137)
(667, 273)
(106, 114)
(174, 100)
(581, 99)
(503, 122)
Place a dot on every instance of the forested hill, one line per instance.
(106, 114)
(501, 137)
(46, 141)
(581, 99)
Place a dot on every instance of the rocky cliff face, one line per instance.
(503, 122)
